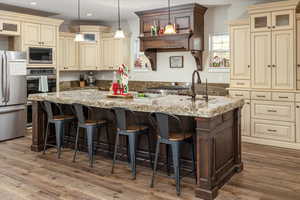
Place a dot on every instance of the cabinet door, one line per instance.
(240, 52)
(118, 56)
(71, 53)
(246, 122)
(48, 35)
(261, 22)
(62, 54)
(32, 34)
(261, 60)
(298, 50)
(298, 122)
(9, 27)
(107, 52)
(283, 20)
(88, 56)
(283, 59)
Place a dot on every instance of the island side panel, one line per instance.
(218, 152)
(38, 127)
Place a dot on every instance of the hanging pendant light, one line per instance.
(119, 33)
(170, 28)
(79, 36)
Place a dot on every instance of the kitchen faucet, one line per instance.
(196, 72)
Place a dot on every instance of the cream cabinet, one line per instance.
(114, 52)
(10, 27)
(68, 49)
(107, 54)
(89, 56)
(246, 119)
(298, 122)
(39, 34)
(298, 53)
(283, 69)
(240, 52)
(277, 20)
(261, 60)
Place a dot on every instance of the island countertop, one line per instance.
(175, 104)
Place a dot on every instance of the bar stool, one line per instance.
(91, 127)
(59, 122)
(132, 132)
(175, 140)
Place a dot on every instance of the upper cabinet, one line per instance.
(114, 52)
(9, 27)
(68, 48)
(277, 20)
(240, 52)
(89, 58)
(39, 35)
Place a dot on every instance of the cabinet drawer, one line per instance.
(283, 96)
(240, 83)
(240, 94)
(261, 95)
(282, 131)
(283, 111)
(298, 97)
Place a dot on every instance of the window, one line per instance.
(219, 50)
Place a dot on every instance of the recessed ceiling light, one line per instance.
(89, 14)
(33, 3)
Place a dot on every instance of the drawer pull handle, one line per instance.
(271, 130)
(273, 111)
(261, 96)
(239, 95)
(280, 97)
(240, 83)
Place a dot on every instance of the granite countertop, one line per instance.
(175, 104)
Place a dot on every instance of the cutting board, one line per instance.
(128, 96)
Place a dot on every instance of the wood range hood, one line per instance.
(189, 21)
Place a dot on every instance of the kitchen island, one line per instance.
(216, 128)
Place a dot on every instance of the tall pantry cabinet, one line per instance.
(268, 83)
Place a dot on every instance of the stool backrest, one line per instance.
(47, 106)
(164, 121)
(78, 109)
(121, 117)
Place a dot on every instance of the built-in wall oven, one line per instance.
(33, 78)
(40, 55)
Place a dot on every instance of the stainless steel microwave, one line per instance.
(39, 55)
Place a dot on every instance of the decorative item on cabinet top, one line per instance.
(9, 27)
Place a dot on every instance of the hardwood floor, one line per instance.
(269, 174)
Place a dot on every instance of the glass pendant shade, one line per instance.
(79, 37)
(170, 29)
(119, 34)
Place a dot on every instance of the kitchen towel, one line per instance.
(43, 84)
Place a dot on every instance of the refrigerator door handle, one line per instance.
(2, 80)
(10, 110)
(7, 79)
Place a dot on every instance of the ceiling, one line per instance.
(103, 10)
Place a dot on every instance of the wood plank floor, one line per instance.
(269, 174)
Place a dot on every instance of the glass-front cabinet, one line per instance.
(278, 20)
(8, 27)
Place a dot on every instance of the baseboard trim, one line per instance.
(271, 142)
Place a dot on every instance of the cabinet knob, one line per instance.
(297, 106)
(298, 65)
(273, 65)
(248, 66)
(269, 65)
(273, 26)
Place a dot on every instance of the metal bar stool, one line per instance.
(91, 127)
(175, 139)
(132, 132)
(59, 122)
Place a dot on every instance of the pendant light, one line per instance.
(78, 36)
(170, 29)
(119, 33)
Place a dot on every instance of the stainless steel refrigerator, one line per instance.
(13, 94)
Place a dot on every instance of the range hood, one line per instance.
(189, 22)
